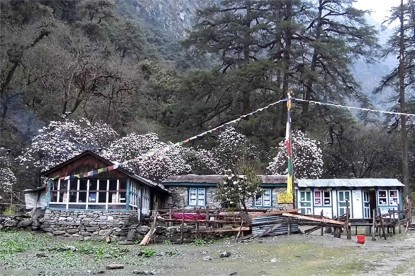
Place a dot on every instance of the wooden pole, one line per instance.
(347, 222)
(374, 225)
(399, 220)
(322, 228)
(382, 225)
(181, 227)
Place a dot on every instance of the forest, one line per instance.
(91, 75)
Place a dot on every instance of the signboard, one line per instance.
(285, 198)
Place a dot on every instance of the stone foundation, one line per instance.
(86, 225)
(83, 225)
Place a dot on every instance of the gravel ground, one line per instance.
(23, 253)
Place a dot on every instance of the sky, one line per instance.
(380, 8)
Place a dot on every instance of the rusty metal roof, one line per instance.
(214, 178)
(352, 182)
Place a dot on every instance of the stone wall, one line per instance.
(85, 225)
(179, 198)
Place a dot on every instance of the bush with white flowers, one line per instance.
(307, 157)
(236, 189)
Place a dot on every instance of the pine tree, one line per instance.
(402, 45)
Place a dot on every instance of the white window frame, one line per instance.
(324, 197)
(102, 188)
(200, 199)
(395, 198)
(384, 198)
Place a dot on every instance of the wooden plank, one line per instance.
(311, 230)
(222, 230)
(273, 213)
(150, 233)
(323, 220)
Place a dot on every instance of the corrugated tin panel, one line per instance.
(354, 182)
(263, 223)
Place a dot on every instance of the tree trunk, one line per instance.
(404, 138)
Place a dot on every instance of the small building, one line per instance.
(90, 197)
(35, 198)
(117, 189)
(199, 191)
(331, 196)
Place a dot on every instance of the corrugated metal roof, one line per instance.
(353, 182)
(215, 178)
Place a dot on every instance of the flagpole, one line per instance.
(288, 145)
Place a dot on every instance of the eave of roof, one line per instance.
(214, 179)
(141, 179)
(353, 182)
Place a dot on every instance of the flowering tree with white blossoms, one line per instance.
(308, 157)
(134, 149)
(232, 148)
(62, 140)
(7, 177)
(236, 189)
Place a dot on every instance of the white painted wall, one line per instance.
(327, 212)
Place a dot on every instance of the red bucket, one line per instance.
(361, 239)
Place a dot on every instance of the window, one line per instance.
(343, 202)
(197, 196)
(382, 197)
(88, 194)
(327, 198)
(393, 197)
(263, 199)
(317, 198)
(305, 202)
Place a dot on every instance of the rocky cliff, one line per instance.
(174, 16)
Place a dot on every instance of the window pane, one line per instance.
(341, 196)
(113, 185)
(72, 196)
(123, 184)
(54, 196)
(123, 196)
(92, 197)
(82, 184)
(64, 185)
(103, 184)
(102, 197)
(93, 185)
(63, 197)
(82, 196)
(347, 195)
(73, 184)
(308, 196)
(54, 185)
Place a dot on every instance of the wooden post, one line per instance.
(399, 220)
(347, 222)
(382, 225)
(181, 227)
(322, 228)
(374, 225)
(289, 226)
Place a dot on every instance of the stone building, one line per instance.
(199, 191)
(89, 195)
